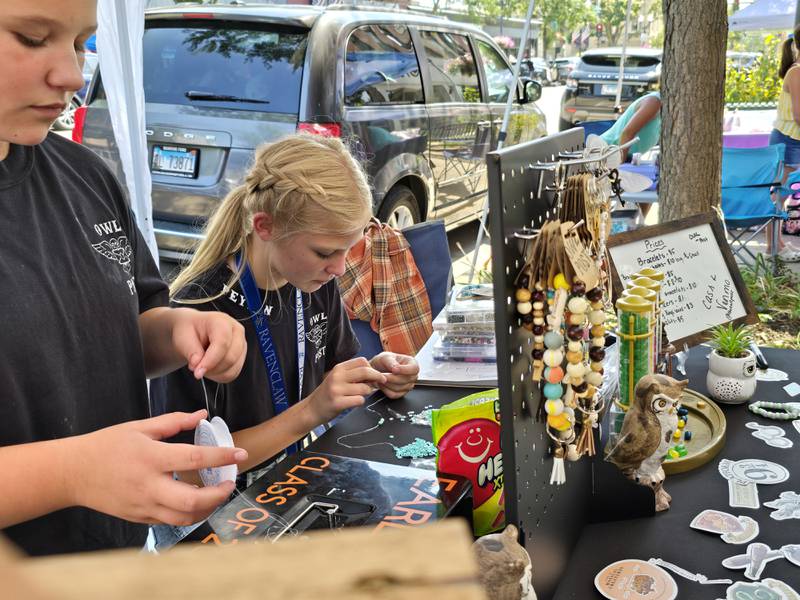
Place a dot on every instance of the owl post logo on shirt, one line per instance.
(115, 248)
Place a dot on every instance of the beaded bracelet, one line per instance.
(784, 413)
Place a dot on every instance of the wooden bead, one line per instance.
(577, 369)
(553, 358)
(537, 353)
(554, 374)
(576, 319)
(539, 339)
(597, 354)
(599, 341)
(528, 318)
(574, 357)
(579, 388)
(537, 329)
(578, 287)
(538, 296)
(597, 306)
(598, 331)
(522, 295)
(597, 367)
(524, 308)
(538, 320)
(528, 326)
(595, 294)
(575, 346)
(597, 317)
(575, 332)
(578, 305)
(525, 281)
(538, 306)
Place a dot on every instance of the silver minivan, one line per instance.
(419, 99)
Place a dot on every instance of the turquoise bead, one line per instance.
(552, 390)
(553, 340)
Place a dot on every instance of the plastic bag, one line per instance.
(467, 436)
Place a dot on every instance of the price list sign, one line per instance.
(702, 285)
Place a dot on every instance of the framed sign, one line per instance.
(702, 285)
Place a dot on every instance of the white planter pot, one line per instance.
(731, 380)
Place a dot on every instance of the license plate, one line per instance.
(608, 89)
(173, 160)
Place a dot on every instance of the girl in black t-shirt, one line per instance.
(269, 259)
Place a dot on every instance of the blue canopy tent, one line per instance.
(764, 14)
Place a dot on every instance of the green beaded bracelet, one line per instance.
(784, 413)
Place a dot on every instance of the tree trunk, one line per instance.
(692, 93)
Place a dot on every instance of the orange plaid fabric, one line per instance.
(382, 285)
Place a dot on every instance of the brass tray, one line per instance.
(707, 425)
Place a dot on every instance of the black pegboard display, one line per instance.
(549, 517)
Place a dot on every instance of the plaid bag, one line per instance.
(383, 286)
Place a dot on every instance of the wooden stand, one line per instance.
(353, 564)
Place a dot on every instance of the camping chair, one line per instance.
(751, 179)
(431, 252)
(595, 127)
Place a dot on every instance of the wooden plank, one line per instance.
(427, 562)
(15, 585)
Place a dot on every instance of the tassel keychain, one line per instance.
(558, 476)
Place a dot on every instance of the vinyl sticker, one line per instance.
(772, 435)
(634, 578)
(787, 506)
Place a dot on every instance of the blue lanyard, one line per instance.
(277, 386)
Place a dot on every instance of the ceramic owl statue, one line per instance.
(505, 566)
(647, 432)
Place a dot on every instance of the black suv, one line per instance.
(420, 100)
(591, 89)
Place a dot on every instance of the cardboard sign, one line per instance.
(702, 285)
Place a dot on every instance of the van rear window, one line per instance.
(611, 60)
(223, 66)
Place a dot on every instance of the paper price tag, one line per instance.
(585, 267)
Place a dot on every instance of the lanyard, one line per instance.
(277, 386)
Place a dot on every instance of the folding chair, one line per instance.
(431, 252)
(595, 127)
(751, 180)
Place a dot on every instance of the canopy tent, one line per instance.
(764, 14)
(120, 27)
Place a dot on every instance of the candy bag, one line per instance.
(467, 436)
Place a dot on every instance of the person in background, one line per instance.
(269, 258)
(85, 322)
(642, 118)
(787, 126)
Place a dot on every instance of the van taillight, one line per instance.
(326, 129)
(80, 119)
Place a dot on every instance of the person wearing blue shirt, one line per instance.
(643, 119)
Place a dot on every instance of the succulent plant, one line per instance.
(731, 341)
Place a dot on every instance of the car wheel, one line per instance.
(400, 208)
(563, 124)
(66, 120)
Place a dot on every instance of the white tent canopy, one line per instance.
(764, 14)
(120, 26)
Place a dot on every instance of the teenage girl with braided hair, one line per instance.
(272, 250)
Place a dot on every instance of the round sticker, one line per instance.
(634, 578)
(753, 470)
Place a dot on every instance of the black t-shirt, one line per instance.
(76, 275)
(247, 400)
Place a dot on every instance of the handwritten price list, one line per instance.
(698, 291)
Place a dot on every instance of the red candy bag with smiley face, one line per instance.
(467, 435)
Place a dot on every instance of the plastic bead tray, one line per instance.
(707, 425)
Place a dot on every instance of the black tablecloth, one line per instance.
(667, 535)
(393, 430)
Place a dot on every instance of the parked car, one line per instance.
(67, 118)
(419, 99)
(563, 67)
(538, 69)
(591, 89)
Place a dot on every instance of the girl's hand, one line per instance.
(212, 343)
(126, 471)
(401, 372)
(345, 386)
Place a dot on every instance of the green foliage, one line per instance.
(612, 16)
(761, 82)
(731, 341)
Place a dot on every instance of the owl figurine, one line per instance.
(647, 432)
(505, 566)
